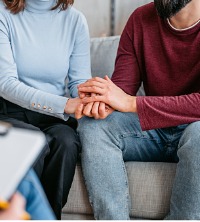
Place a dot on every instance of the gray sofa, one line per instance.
(150, 183)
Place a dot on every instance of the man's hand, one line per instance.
(109, 94)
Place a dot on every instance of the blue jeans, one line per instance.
(108, 143)
(36, 203)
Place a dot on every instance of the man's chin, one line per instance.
(168, 8)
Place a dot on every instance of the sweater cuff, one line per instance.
(142, 113)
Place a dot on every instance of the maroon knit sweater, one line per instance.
(167, 61)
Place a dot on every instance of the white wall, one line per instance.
(124, 9)
(97, 13)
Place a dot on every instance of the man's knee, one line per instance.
(189, 143)
(112, 123)
(191, 133)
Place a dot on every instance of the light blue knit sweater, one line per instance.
(43, 53)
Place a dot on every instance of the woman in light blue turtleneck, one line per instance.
(44, 52)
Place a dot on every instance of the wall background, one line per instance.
(97, 13)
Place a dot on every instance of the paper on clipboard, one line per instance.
(19, 148)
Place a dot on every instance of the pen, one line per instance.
(5, 205)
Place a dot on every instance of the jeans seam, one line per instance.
(127, 188)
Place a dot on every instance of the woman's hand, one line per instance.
(72, 105)
(98, 110)
(108, 93)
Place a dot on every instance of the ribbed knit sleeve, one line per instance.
(161, 112)
(127, 74)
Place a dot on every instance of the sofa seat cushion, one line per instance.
(150, 187)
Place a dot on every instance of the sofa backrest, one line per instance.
(103, 53)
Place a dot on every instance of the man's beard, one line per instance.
(168, 8)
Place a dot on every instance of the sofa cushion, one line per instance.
(103, 54)
(78, 199)
(150, 186)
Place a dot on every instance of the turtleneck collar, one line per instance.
(39, 6)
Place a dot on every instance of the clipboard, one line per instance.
(19, 148)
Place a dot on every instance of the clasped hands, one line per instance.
(98, 98)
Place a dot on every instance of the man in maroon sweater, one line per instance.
(159, 47)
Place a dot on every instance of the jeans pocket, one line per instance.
(146, 135)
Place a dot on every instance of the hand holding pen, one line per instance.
(14, 209)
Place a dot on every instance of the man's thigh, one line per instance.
(121, 131)
(138, 145)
